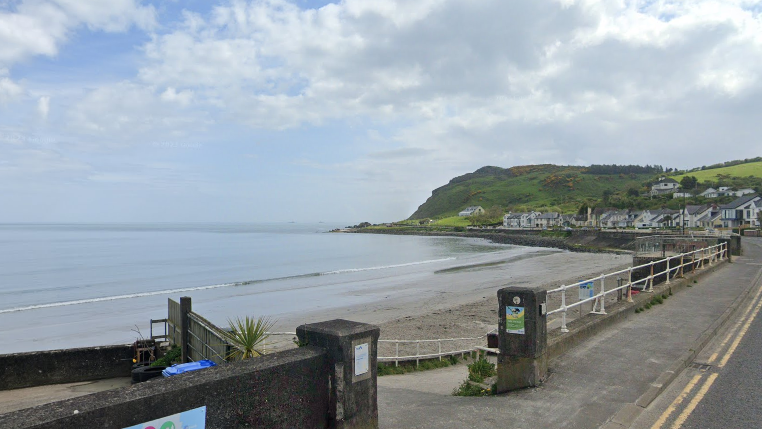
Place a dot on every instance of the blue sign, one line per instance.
(586, 290)
(191, 419)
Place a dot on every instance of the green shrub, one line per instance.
(480, 369)
(172, 356)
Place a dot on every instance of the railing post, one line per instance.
(440, 349)
(629, 288)
(563, 306)
(397, 353)
(185, 308)
(682, 264)
(651, 279)
(602, 298)
(417, 352)
(668, 271)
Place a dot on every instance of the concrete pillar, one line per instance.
(353, 357)
(523, 358)
(185, 308)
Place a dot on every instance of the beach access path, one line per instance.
(594, 384)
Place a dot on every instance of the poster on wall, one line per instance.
(191, 419)
(361, 359)
(514, 320)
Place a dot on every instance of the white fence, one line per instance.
(695, 259)
(408, 350)
(439, 348)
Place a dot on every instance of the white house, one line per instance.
(548, 220)
(519, 219)
(665, 185)
(658, 219)
(742, 192)
(690, 215)
(472, 210)
(681, 195)
(742, 211)
(709, 193)
(614, 219)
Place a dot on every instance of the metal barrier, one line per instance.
(428, 344)
(695, 259)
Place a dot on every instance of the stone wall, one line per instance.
(283, 390)
(18, 370)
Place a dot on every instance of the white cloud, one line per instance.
(39, 27)
(416, 91)
(183, 98)
(43, 106)
(8, 89)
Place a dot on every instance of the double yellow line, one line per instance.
(737, 332)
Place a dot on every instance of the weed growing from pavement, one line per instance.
(478, 371)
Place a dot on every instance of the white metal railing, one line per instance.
(695, 259)
(434, 348)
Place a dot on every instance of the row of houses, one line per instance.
(665, 185)
(743, 211)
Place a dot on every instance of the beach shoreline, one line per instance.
(458, 308)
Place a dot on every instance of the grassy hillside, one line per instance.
(565, 188)
(713, 175)
(539, 187)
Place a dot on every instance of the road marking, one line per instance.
(694, 402)
(738, 324)
(673, 406)
(740, 336)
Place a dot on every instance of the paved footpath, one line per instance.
(587, 385)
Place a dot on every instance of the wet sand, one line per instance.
(462, 302)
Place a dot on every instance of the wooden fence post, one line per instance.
(185, 308)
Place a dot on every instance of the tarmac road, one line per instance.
(723, 387)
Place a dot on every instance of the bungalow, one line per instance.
(665, 185)
(742, 211)
(681, 195)
(709, 193)
(472, 210)
(742, 192)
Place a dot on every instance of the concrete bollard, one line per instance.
(522, 338)
(353, 355)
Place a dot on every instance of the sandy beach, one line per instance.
(462, 302)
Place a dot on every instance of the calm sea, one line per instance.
(91, 284)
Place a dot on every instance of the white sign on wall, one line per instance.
(361, 359)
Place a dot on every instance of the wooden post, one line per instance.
(185, 308)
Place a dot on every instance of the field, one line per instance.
(741, 170)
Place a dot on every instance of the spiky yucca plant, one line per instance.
(247, 336)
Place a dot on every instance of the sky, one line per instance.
(307, 111)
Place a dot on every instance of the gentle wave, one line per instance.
(409, 264)
(218, 286)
